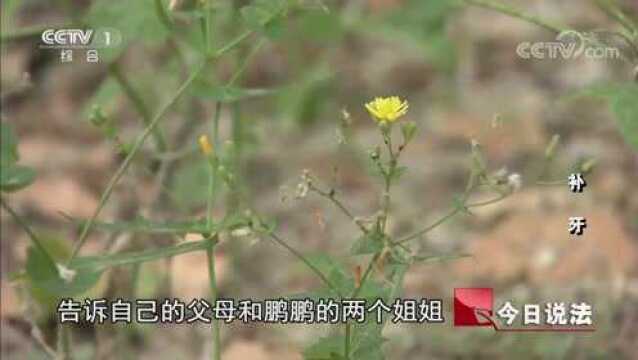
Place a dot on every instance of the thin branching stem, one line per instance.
(128, 160)
(214, 293)
(23, 224)
(388, 177)
(64, 342)
(29, 32)
(332, 197)
(614, 12)
(356, 292)
(163, 15)
(138, 102)
(301, 257)
(210, 251)
(142, 138)
(429, 228)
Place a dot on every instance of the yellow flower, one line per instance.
(205, 145)
(387, 110)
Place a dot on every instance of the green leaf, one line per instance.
(372, 290)
(8, 146)
(306, 99)
(623, 102)
(12, 177)
(149, 280)
(136, 21)
(336, 273)
(142, 225)
(625, 106)
(9, 10)
(369, 243)
(191, 181)
(398, 172)
(256, 16)
(44, 275)
(438, 258)
(326, 348)
(420, 25)
(261, 15)
(16, 177)
(100, 263)
(408, 130)
(367, 341)
(105, 97)
(458, 202)
(229, 94)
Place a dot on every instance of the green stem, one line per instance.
(357, 291)
(116, 71)
(210, 250)
(23, 224)
(507, 10)
(163, 15)
(471, 185)
(614, 12)
(234, 197)
(64, 342)
(392, 166)
(487, 202)
(128, 160)
(210, 254)
(142, 138)
(232, 44)
(301, 257)
(429, 228)
(213, 165)
(28, 31)
(331, 196)
(448, 216)
(216, 144)
(245, 61)
(206, 25)
(346, 348)
(387, 177)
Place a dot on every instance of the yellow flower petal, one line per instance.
(387, 110)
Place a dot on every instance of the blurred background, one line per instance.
(457, 66)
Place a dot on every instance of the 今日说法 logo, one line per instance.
(474, 307)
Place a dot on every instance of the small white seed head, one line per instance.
(515, 181)
(241, 232)
(65, 273)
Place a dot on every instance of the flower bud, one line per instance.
(550, 151)
(374, 154)
(588, 166)
(205, 146)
